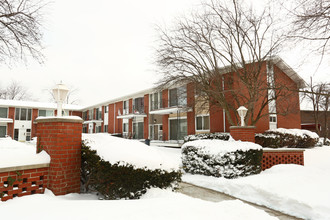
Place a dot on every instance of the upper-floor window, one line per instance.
(202, 123)
(106, 109)
(98, 114)
(23, 114)
(126, 107)
(46, 113)
(178, 96)
(91, 114)
(156, 101)
(138, 105)
(84, 116)
(3, 112)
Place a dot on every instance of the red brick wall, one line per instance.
(35, 114)
(274, 157)
(216, 119)
(28, 182)
(102, 124)
(130, 105)
(119, 122)
(61, 139)
(146, 119)
(243, 133)
(10, 126)
(165, 127)
(111, 119)
(165, 98)
(76, 113)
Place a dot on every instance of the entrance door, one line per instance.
(22, 134)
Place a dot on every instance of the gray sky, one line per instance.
(105, 49)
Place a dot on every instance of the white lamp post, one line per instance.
(242, 113)
(60, 92)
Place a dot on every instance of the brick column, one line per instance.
(61, 139)
(243, 133)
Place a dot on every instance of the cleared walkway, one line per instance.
(214, 196)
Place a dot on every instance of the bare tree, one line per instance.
(311, 22)
(20, 33)
(222, 50)
(319, 96)
(16, 91)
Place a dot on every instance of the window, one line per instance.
(106, 109)
(3, 112)
(46, 113)
(106, 128)
(178, 96)
(98, 114)
(84, 115)
(23, 114)
(28, 134)
(202, 123)
(3, 131)
(90, 114)
(138, 105)
(126, 107)
(156, 101)
(272, 118)
(173, 97)
(125, 127)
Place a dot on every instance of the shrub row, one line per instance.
(120, 180)
(228, 164)
(277, 139)
(217, 135)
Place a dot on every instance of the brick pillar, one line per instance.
(61, 139)
(243, 133)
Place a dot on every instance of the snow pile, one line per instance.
(302, 191)
(13, 153)
(114, 149)
(229, 159)
(157, 204)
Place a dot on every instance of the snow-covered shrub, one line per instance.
(121, 180)
(216, 135)
(291, 138)
(229, 159)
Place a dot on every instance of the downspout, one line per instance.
(223, 111)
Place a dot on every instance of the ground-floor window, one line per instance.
(178, 128)
(138, 130)
(106, 128)
(84, 128)
(3, 131)
(202, 123)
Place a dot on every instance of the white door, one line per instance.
(22, 134)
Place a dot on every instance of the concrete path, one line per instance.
(214, 196)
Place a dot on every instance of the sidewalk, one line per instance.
(214, 196)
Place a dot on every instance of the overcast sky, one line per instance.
(105, 49)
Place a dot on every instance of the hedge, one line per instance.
(228, 164)
(216, 135)
(121, 180)
(290, 138)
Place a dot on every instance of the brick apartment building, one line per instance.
(161, 116)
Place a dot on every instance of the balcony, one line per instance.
(138, 112)
(174, 106)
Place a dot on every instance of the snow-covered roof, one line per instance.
(38, 105)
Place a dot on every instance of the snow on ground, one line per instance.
(14, 153)
(303, 191)
(156, 204)
(114, 149)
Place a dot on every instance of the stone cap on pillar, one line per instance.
(71, 119)
(244, 127)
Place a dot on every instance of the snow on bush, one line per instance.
(229, 159)
(216, 135)
(291, 138)
(14, 153)
(119, 168)
(115, 149)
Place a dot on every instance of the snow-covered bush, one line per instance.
(291, 138)
(229, 159)
(216, 135)
(121, 180)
